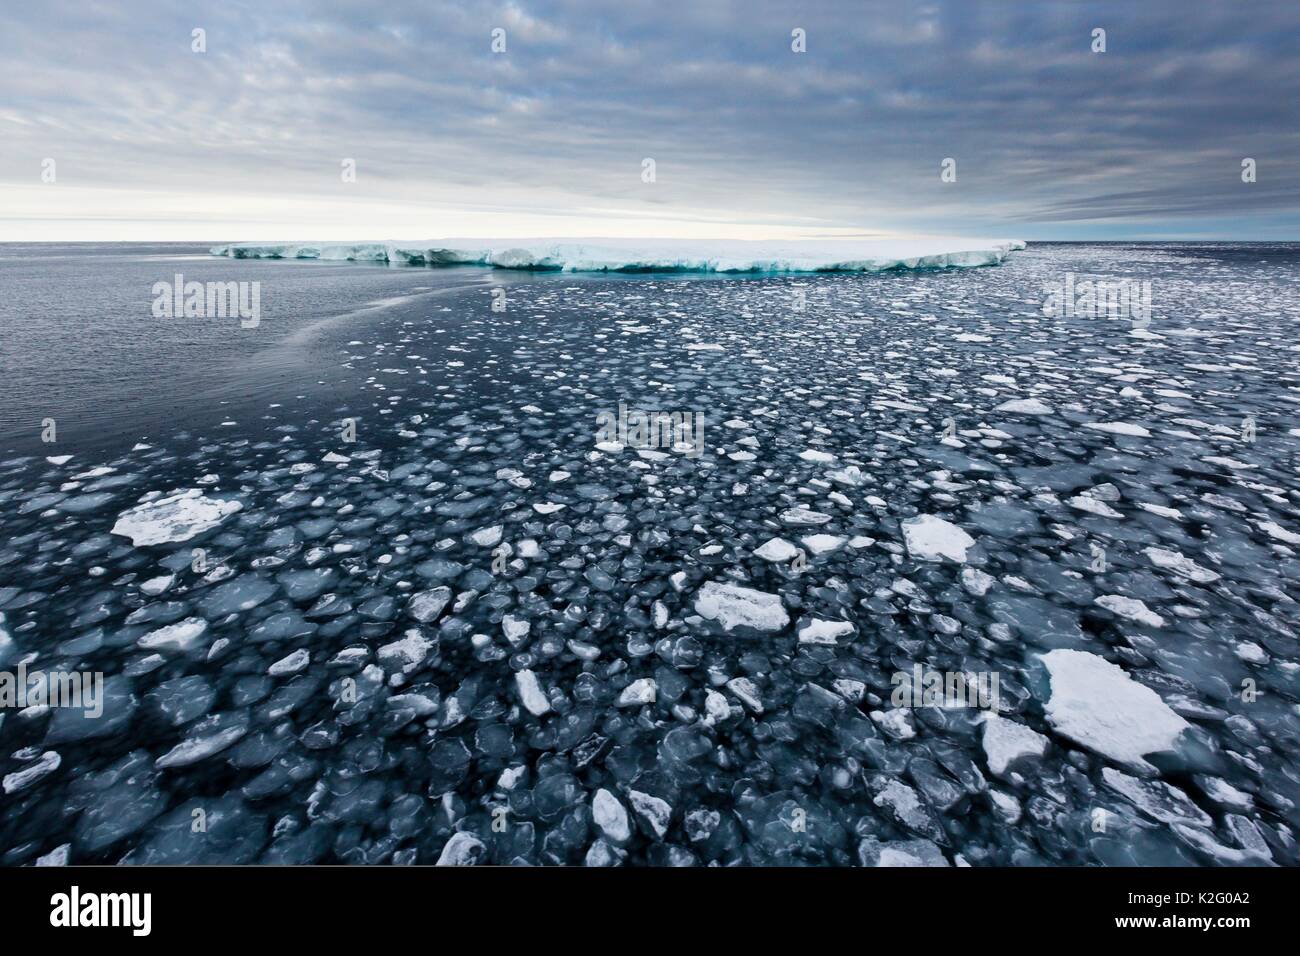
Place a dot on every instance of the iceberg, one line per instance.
(652, 255)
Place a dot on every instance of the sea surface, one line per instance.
(372, 582)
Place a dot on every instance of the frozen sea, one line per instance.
(366, 583)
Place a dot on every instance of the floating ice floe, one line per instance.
(800, 515)
(1119, 428)
(182, 636)
(931, 538)
(42, 766)
(817, 456)
(1180, 564)
(1157, 799)
(638, 693)
(817, 631)
(653, 255)
(776, 549)
(1096, 704)
(735, 607)
(1025, 406)
(531, 694)
(1131, 609)
(1007, 741)
(177, 517)
(823, 543)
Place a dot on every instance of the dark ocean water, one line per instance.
(367, 578)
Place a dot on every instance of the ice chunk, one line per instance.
(1131, 609)
(42, 766)
(817, 456)
(182, 636)
(817, 631)
(1180, 564)
(463, 849)
(609, 814)
(1025, 406)
(745, 689)
(1006, 741)
(1119, 428)
(735, 607)
(1096, 704)
(776, 549)
(800, 515)
(823, 543)
(177, 517)
(530, 693)
(209, 736)
(292, 664)
(424, 606)
(655, 812)
(930, 538)
(407, 654)
(638, 692)
(917, 852)
(1156, 799)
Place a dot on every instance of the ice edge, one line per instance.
(651, 256)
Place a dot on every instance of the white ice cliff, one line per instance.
(652, 255)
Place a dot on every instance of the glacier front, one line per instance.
(652, 255)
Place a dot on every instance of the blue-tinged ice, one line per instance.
(653, 255)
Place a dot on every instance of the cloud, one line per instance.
(1050, 138)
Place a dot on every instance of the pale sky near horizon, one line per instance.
(151, 140)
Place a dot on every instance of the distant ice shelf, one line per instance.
(652, 255)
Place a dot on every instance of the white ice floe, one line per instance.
(776, 549)
(799, 515)
(1006, 741)
(656, 813)
(1161, 510)
(747, 691)
(19, 780)
(530, 693)
(408, 653)
(638, 693)
(608, 813)
(733, 606)
(155, 586)
(1156, 799)
(976, 582)
(1095, 703)
(1276, 531)
(487, 537)
(817, 457)
(1131, 609)
(645, 255)
(181, 636)
(823, 543)
(177, 517)
(1119, 428)
(1180, 564)
(930, 538)
(1251, 653)
(1025, 406)
(817, 631)
(1093, 506)
(291, 664)
(463, 849)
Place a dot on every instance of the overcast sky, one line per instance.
(151, 140)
